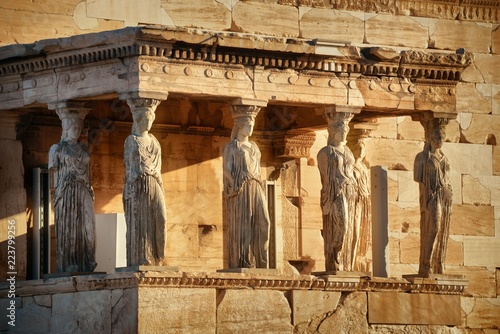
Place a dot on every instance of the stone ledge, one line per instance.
(226, 280)
(157, 43)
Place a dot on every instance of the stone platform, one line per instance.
(216, 302)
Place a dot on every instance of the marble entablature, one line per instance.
(154, 61)
(348, 283)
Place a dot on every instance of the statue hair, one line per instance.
(239, 122)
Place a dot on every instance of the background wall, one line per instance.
(192, 164)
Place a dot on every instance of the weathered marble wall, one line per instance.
(192, 163)
(474, 230)
(13, 228)
(154, 302)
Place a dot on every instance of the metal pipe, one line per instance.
(36, 223)
(46, 220)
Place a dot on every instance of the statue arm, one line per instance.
(323, 171)
(228, 165)
(130, 158)
(129, 166)
(418, 168)
(322, 163)
(54, 157)
(258, 171)
(54, 164)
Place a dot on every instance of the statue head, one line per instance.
(358, 150)
(72, 122)
(244, 119)
(244, 125)
(438, 133)
(143, 113)
(143, 120)
(338, 127)
(435, 131)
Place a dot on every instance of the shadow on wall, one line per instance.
(192, 135)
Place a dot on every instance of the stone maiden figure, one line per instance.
(338, 194)
(74, 216)
(362, 212)
(143, 199)
(246, 205)
(431, 171)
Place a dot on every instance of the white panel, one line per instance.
(111, 248)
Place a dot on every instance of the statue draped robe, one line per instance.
(74, 216)
(432, 173)
(337, 203)
(362, 219)
(246, 206)
(144, 202)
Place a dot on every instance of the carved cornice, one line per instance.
(433, 66)
(231, 281)
(167, 52)
(64, 59)
(243, 281)
(294, 144)
(305, 3)
(464, 10)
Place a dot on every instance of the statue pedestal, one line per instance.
(144, 299)
(145, 268)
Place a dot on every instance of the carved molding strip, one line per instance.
(282, 283)
(413, 65)
(294, 144)
(433, 66)
(465, 10)
(228, 281)
(304, 3)
(82, 56)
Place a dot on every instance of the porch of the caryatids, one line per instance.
(143, 193)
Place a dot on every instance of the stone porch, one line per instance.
(196, 302)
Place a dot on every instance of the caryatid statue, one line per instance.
(245, 200)
(432, 171)
(143, 197)
(362, 210)
(74, 217)
(338, 194)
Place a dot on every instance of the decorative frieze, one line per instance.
(154, 62)
(155, 53)
(294, 144)
(207, 280)
(305, 3)
(59, 60)
(433, 66)
(464, 10)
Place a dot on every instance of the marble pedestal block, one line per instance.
(149, 301)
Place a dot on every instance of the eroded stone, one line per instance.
(244, 311)
(414, 309)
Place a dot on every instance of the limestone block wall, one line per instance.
(472, 146)
(198, 310)
(195, 302)
(474, 240)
